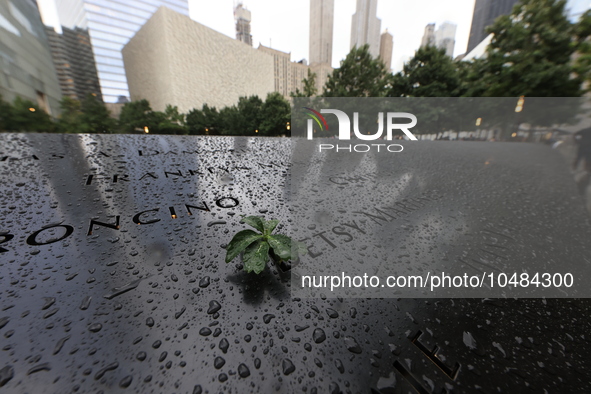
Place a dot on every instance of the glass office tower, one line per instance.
(111, 23)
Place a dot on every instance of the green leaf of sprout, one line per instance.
(240, 241)
(256, 256)
(281, 245)
(269, 226)
(254, 221)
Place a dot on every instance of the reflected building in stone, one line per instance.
(26, 66)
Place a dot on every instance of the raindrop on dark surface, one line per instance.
(49, 301)
(4, 321)
(243, 371)
(179, 313)
(287, 366)
(219, 362)
(339, 364)
(204, 282)
(224, 345)
(197, 389)
(96, 327)
(163, 356)
(318, 335)
(267, 318)
(352, 345)
(60, 344)
(39, 367)
(157, 344)
(6, 374)
(106, 369)
(205, 331)
(222, 377)
(150, 322)
(214, 306)
(141, 356)
(332, 313)
(257, 363)
(125, 382)
(85, 303)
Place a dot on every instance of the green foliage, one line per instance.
(430, 73)
(530, 53)
(204, 121)
(5, 112)
(360, 75)
(70, 120)
(259, 247)
(23, 115)
(250, 109)
(136, 115)
(276, 114)
(309, 86)
(95, 117)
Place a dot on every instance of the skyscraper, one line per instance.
(366, 26)
(386, 43)
(74, 62)
(242, 18)
(321, 27)
(445, 38)
(110, 24)
(26, 66)
(429, 35)
(485, 13)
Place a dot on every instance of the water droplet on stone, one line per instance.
(287, 366)
(243, 371)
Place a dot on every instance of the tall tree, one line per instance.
(5, 114)
(360, 75)
(276, 114)
(136, 115)
(530, 53)
(95, 117)
(309, 88)
(26, 116)
(430, 73)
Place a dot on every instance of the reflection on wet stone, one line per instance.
(199, 325)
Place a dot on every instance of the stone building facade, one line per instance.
(175, 60)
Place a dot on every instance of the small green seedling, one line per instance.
(258, 248)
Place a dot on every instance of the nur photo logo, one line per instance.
(345, 131)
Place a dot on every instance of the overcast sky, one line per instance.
(285, 24)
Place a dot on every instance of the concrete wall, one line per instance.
(174, 60)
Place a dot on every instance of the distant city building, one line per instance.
(287, 75)
(111, 23)
(429, 36)
(175, 60)
(445, 38)
(366, 26)
(321, 29)
(74, 62)
(485, 13)
(386, 44)
(242, 18)
(26, 66)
